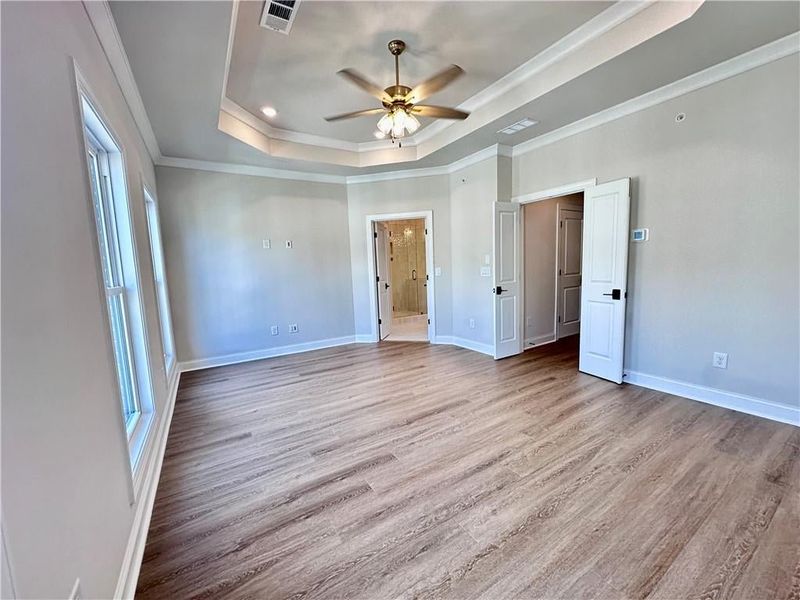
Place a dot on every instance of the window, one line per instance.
(162, 296)
(116, 246)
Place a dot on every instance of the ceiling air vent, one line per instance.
(518, 126)
(279, 15)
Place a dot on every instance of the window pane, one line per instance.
(100, 219)
(122, 357)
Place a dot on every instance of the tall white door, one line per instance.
(606, 210)
(570, 231)
(507, 334)
(384, 279)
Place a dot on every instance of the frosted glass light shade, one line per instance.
(385, 124)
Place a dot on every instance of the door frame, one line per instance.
(546, 194)
(427, 215)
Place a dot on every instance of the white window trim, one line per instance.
(165, 329)
(138, 441)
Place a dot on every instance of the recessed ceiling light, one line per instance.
(268, 111)
(379, 135)
(518, 126)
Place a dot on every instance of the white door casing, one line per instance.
(507, 289)
(383, 280)
(606, 212)
(568, 283)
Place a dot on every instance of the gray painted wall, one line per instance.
(226, 290)
(65, 473)
(719, 192)
(473, 191)
(403, 195)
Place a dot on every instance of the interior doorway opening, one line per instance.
(552, 251)
(401, 272)
(404, 314)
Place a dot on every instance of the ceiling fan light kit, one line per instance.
(400, 101)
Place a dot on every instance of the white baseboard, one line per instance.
(472, 345)
(134, 551)
(365, 339)
(717, 397)
(539, 340)
(443, 339)
(240, 357)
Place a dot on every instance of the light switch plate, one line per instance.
(472, 323)
(266, 244)
(273, 330)
(437, 271)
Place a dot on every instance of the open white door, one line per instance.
(606, 210)
(383, 280)
(507, 335)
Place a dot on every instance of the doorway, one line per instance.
(552, 250)
(403, 301)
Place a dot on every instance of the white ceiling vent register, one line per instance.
(279, 15)
(518, 126)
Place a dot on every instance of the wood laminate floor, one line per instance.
(419, 471)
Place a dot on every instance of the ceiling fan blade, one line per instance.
(434, 84)
(439, 112)
(358, 113)
(365, 84)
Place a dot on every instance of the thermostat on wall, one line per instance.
(640, 235)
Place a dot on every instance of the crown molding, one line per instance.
(462, 163)
(757, 57)
(99, 13)
(236, 169)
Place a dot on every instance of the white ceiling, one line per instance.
(177, 52)
(271, 68)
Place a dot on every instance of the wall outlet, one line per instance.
(720, 360)
(273, 330)
(472, 323)
(288, 243)
(266, 244)
(293, 328)
(486, 271)
(437, 271)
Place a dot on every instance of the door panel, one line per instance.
(570, 233)
(507, 334)
(605, 272)
(384, 284)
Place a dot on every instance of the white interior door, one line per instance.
(507, 334)
(606, 210)
(384, 280)
(570, 231)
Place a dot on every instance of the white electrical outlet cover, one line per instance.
(266, 244)
(437, 271)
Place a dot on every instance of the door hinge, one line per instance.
(429, 321)
(377, 278)
(559, 271)
(375, 234)
(426, 231)
(380, 322)
(559, 318)
(561, 224)
(427, 277)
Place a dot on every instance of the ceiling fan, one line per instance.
(400, 101)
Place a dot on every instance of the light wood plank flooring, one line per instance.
(419, 471)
